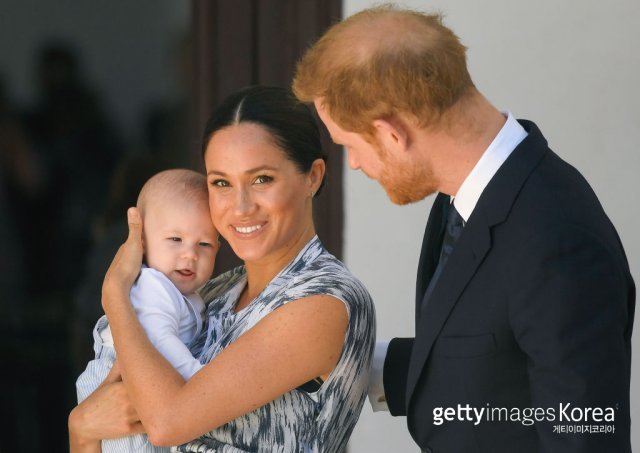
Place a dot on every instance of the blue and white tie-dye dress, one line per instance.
(297, 421)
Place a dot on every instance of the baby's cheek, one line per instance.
(208, 271)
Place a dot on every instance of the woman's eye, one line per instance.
(220, 183)
(262, 179)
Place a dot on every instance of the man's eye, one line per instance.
(262, 179)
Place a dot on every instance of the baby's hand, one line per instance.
(125, 266)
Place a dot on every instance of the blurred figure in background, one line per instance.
(79, 149)
(169, 123)
(21, 184)
(18, 174)
(56, 161)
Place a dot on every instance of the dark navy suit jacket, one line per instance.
(534, 310)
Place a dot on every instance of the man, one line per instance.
(524, 300)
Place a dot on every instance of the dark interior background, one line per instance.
(95, 97)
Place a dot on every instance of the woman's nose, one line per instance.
(244, 203)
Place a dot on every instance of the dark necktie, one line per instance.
(452, 231)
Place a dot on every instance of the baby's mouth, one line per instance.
(185, 272)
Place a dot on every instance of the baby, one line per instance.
(180, 245)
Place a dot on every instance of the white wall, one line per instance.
(573, 68)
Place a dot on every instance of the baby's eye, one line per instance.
(175, 239)
(220, 183)
(205, 244)
(262, 179)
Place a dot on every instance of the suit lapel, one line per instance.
(474, 243)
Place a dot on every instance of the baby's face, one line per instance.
(181, 242)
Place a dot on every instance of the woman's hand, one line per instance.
(107, 413)
(125, 266)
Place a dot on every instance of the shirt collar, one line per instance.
(510, 136)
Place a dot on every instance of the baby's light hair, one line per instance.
(187, 185)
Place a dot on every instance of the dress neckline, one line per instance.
(308, 253)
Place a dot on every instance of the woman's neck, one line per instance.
(261, 272)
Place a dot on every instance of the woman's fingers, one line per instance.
(131, 251)
(137, 428)
(126, 264)
(106, 414)
(135, 229)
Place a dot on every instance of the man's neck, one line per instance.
(456, 149)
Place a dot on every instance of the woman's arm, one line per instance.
(289, 347)
(106, 413)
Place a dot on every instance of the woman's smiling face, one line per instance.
(260, 201)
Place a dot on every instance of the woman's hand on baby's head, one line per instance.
(125, 267)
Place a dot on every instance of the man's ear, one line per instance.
(393, 133)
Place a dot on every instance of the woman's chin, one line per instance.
(247, 252)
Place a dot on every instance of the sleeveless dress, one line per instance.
(297, 421)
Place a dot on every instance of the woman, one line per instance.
(289, 335)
